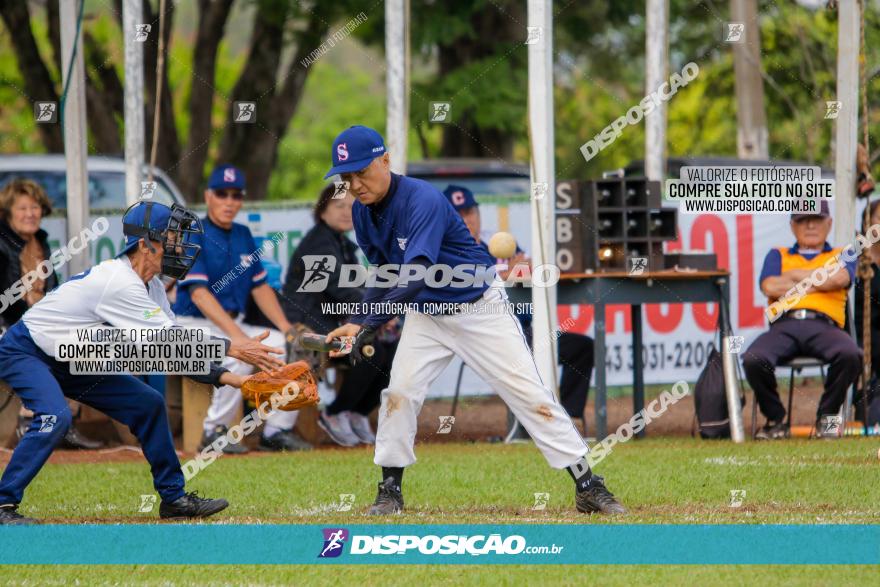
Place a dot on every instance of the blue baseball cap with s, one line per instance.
(354, 149)
(226, 177)
(460, 197)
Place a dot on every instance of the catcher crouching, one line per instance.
(123, 292)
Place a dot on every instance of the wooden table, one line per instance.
(600, 289)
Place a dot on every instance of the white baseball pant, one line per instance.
(491, 342)
(226, 400)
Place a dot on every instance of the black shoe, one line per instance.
(74, 440)
(283, 441)
(192, 506)
(389, 500)
(597, 498)
(772, 431)
(208, 439)
(10, 517)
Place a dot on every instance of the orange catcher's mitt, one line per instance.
(289, 388)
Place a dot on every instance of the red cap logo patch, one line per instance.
(342, 151)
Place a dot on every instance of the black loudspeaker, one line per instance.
(605, 225)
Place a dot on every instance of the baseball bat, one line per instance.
(317, 342)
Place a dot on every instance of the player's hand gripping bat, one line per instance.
(356, 346)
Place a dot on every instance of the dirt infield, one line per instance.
(476, 420)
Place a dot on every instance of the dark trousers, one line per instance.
(362, 384)
(575, 353)
(789, 338)
(42, 384)
(576, 358)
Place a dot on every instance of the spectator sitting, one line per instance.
(345, 420)
(575, 350)
(23, 248)
(812, 326)
(227, 265)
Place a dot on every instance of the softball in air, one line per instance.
(502, 245)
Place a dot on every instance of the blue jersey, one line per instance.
(414, 220)
(229, 265)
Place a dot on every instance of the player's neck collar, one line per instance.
(392, 189)
(215, 225)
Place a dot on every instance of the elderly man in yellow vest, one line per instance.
(810, 325)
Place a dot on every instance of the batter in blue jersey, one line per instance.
(401, 221)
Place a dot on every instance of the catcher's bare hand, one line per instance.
(344, 330)
(253, 351)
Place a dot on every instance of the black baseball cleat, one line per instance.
(9, 516)
(283, 441)
(192, 506)
(232, 448)
(389, 500)
(772, 431)
(597, 498)
(73, 439)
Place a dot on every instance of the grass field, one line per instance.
(666, 481)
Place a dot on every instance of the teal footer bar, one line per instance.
(436, 544)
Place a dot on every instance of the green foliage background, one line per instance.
(599, 64)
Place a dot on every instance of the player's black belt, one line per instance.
(803, 314)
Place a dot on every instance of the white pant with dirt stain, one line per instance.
(491, 342)
(226, 400)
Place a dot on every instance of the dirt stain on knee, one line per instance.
(545, 412)
(392, 404)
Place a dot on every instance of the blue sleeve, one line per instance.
(198, 273)
(428, 216)
(772, 266)
(390, 296)
(256, 271)
(361, 232)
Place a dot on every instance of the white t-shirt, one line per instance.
(108, 293)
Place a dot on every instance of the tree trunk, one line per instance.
(212, 20)
(37, 80)
(243, 143)
(462, 138)
(168, 154)
(54, 28)
(103, 98)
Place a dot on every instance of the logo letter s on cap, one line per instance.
(342, 152)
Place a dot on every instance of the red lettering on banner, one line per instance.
(749, 314)
(584, 319)
(610, 322)
(663, 322)
(704, 225)
(581, 324)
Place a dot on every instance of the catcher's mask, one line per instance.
(174, 227)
